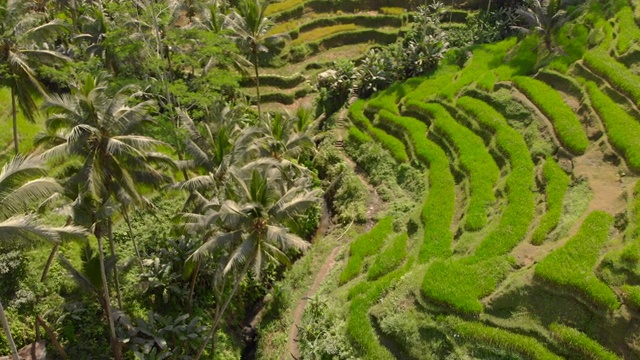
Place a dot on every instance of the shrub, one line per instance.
(366, 245)
(572, 265)
(623, 130)
(616, 73)
(491, 337)
(575, 341)
(628, 33)
(549, 101)
(557, 183)
(390, 258)
(475, 160)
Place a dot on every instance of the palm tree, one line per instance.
(544, 17)
(285, 137)
(21, 184)
(99, 128)
(19, 31)
(250, 29)
(250, 228)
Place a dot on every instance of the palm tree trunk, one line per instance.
(255, 69)
(125, 213)
(47, 266)
(192, 286)
(7, 331)
(112, 249)
(218, 316)
(15, 120)
(107, 302)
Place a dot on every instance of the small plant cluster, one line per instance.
(321, 334)
(572, 265)
(556, 185)
(565, 121)
(623, 130)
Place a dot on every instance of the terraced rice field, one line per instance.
(521, 222)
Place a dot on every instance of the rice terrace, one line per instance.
(320, 179)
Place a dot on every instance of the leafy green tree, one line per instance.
(21, 184)
(250, 27)
(20, 30)
(250, 229)
(100, 129)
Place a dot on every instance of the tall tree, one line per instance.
(99, 128)
(20, 31)
(22, 183)
(250, 228)
(250, 28)
(544, 17)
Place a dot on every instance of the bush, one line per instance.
(475, 160)
(623, 130)
(390, 258)
(491, 337)
(616, 73)
(632, 293)
(557, 183)
(366, 245)
(549, 101)
(575, 341)
(572, 265)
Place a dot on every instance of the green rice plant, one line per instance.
(557, 183)
(366, 245)
(628, 31)
(322, 32)
(572, 265)
(475, 160)
(632, 293)
(486, 336)
(282, 6)
(577, 342)
(459, 283)
(383, 102)
(392, 10)
(549, 101)
(431, 85)
(622, 129)
(517, 216)
(390, 258)
(636, 9)
(439, 207)
(616, 73)
(358, 136)
(392, 144)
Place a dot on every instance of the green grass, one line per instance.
(572, 265)
(628, 31)
(392, 144)
(622, 129)
(322, 32)
(549, 101)
(390, 258)
(632, 293)
(557, 183)
(438, 209)
(392, 10)
(282, 6)
(519, 213)
(460, 283)
(525, 346)
(577, 342)
(431, 85)
(366, 245)
(475, 160)
(616, 73)
(358, 136)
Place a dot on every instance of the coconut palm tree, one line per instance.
(22, 184)
(250, 228)
(544, 17)
(99, 128)
(20, 30)
(249, 27)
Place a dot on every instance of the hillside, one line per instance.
(525, 243)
